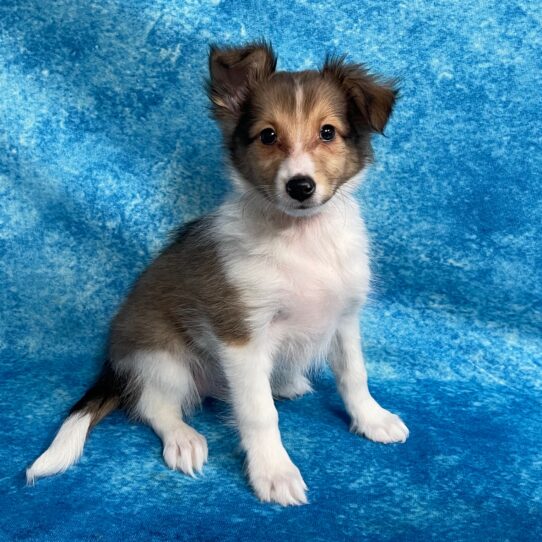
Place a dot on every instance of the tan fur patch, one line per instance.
(182, 291)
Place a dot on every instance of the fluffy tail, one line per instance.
(67, 446)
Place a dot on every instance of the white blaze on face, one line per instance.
(299, 162)
(295, 164)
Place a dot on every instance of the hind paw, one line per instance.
(185, 450)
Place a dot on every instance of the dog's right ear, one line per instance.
(232, 72)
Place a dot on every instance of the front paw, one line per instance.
(277, 481)
(379, 425)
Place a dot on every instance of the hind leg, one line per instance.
(289, 382)
(167, 389)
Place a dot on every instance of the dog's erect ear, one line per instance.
(232, 71)
(372, 98)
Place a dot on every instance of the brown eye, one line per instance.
(327, 132)
(268, 136)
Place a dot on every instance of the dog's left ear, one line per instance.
(232, 72)
(371, 98)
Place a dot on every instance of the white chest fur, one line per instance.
(298, 279)
(320, 277)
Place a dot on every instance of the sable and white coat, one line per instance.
(248, 299)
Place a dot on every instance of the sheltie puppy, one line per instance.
(247, 299)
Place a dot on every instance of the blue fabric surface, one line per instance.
(106, 145)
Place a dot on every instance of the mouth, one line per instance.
(304, 206)
(302, 210)
(289, 207)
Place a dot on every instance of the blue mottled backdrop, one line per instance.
(106, 145)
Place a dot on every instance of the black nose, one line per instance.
(300, 187)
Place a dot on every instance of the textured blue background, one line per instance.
(106, 145)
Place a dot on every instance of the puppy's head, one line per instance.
(296, 137)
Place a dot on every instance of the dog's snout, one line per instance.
(300, 187)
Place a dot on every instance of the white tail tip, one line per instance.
(65, 449)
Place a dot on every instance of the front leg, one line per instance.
(368, 417)
(270, 470)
